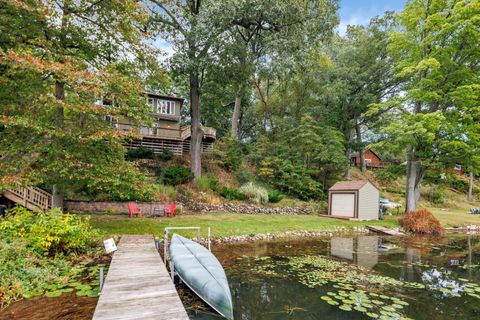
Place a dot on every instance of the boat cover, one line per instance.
(203, 273)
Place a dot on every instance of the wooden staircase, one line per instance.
(34, 199)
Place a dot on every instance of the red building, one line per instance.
(372, 159)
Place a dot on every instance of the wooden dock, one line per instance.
(387, 231)
(138, 285)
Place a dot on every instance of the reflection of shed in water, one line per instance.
(361, 250)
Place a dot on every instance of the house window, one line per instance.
(112, 120)
(166, 107)
(151, 102)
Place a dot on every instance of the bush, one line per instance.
(421, 221)
(244, 175)
(274, 196)
(165, 155)
(290, 178)
(51, 232)
(232, 194)
(228, 153)
(254, 193)
(39, 254)
(206, 183)
(391, 173)
(140, 153)
(176, 175)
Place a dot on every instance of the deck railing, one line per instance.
(32, 196)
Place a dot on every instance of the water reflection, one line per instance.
(361, 250)
(415, 259)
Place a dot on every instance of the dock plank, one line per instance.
(138, 285)
(380, 229)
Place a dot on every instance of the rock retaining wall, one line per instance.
(188, 207)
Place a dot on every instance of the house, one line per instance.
(166, 131)
(354, 200)
(372, 159)
(456, 168)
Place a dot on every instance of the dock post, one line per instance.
(101, 279)
(165, 245)
(209, 242)
(172, 270)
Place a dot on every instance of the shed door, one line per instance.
(343, 204)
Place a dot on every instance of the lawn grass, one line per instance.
(455, 217)
(227, 224)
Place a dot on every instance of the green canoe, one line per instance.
(200, 271)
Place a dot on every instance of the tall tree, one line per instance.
(61, 57)
(436, 119)
(200, 30)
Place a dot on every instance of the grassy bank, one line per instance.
(455, 217)
(224, 224)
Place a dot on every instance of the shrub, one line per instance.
(274, 196)
(51, 232)
(165, 155)
(206, 183)
(421, 221)
(228, 153)
(140, 153)
(232, 194)
(244, 175)
(255, 193)
(175, 175)
(391, 173)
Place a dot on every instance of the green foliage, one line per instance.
(53, 131)
(165, 155)
(175, 175)
(294, 180)
(255, 193)
(228, 153)
(37, 253)
(50, 232)
(232, 194)
(207, 182)
(274, 196)
(391, 173)
(139, 153)
(244, 175)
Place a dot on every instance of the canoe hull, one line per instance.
(202, 272)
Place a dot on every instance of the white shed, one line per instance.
(354, 199)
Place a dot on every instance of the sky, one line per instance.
(361, 11)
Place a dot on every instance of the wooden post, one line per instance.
(470, 187)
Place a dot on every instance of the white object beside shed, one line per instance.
(354, 200)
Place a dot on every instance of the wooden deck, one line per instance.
(390, 232)
(138, 285)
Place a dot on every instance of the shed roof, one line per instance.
(349, 185)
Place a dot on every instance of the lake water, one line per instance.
(352, 277)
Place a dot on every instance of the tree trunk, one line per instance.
(57, 192)
(361, 149)
(415, 174)
(196, 127)
(236, 116)
(470, 187)
(348, 136)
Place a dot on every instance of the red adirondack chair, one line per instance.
(170, 210)
(134, 210)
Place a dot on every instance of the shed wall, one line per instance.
(368, 202)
